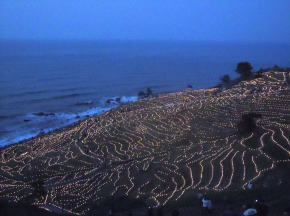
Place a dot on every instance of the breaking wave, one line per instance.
(35, 123)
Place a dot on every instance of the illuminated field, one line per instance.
(156, 149)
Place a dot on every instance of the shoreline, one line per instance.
(114, 106)
(173, 134)
(106, 109)
(73, 124)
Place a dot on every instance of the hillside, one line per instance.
(156, 149)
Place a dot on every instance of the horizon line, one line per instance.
(136, 40)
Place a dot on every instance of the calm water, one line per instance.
(69, 79)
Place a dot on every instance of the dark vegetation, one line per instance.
(245, 71)
(248, 123)
(145, 94)
(22, 209)
(274, 68)
(39, 190)
(120, 204)
(189, 86)
(226, 81)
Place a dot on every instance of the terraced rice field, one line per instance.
(156, 149)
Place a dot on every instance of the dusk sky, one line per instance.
(197, 20)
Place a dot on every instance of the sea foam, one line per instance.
(46, 122)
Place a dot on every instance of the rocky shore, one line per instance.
(160, 150)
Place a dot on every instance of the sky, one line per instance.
(195, 20)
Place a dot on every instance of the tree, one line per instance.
(149, 92)
(226, 79)
(244, 69)
(38, 188)
(141, 94)
(248, 123)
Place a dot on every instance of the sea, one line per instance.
(45, 85)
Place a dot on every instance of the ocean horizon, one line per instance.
(47, 85)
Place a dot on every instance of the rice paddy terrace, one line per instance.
(157, 149)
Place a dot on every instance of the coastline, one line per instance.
(177, 138)
(128, 99)
(77, 117)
